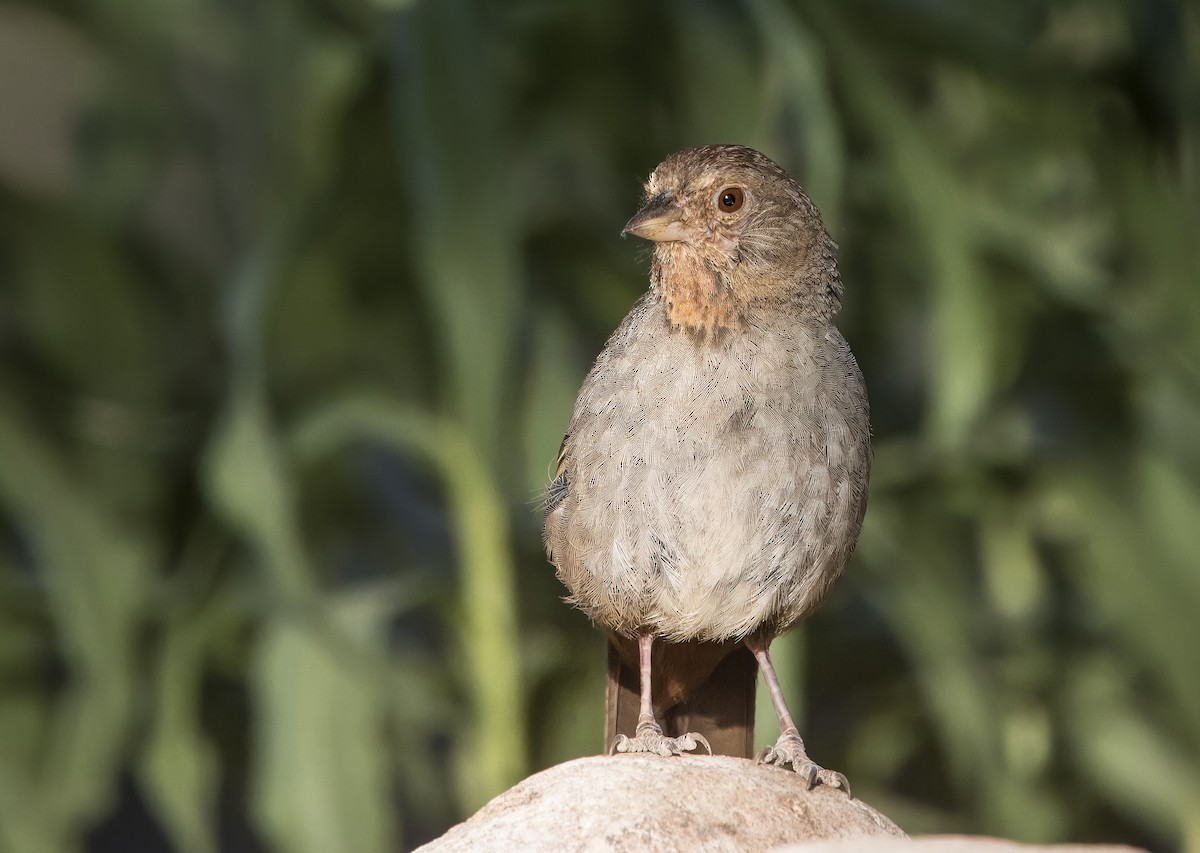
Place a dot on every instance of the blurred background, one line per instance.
(295, 297)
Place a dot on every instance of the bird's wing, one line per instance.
(556, 491)
(561, 465)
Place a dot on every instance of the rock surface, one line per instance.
(636, 803)
(948, 844)
(643, 802)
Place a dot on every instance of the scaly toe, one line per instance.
(656, 742)
(789, 750)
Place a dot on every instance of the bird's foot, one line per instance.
(649, 737)
(789, 749)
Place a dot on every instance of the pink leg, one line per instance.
(789, 749)
(768, 670)
(645, 646)
(649, 736)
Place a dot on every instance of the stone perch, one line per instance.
(647, 804)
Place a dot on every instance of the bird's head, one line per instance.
(733, 232)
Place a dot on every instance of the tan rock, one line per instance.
(947, 844)
(647, 803)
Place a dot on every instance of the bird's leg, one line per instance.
(789, 749)
(649, 735)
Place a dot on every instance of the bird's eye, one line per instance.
(730, 199)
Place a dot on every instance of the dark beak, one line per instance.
(659, 220)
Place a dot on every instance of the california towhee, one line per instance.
(713, 480)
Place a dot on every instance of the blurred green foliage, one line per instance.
(295, 296)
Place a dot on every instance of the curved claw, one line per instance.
(838, 780)
(811, 774)
(688, 741)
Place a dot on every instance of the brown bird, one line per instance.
(713, 480)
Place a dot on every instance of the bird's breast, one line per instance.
(713, 488)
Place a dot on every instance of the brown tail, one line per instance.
(698, 687)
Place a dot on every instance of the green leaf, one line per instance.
(321, 772)
(493, 757)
